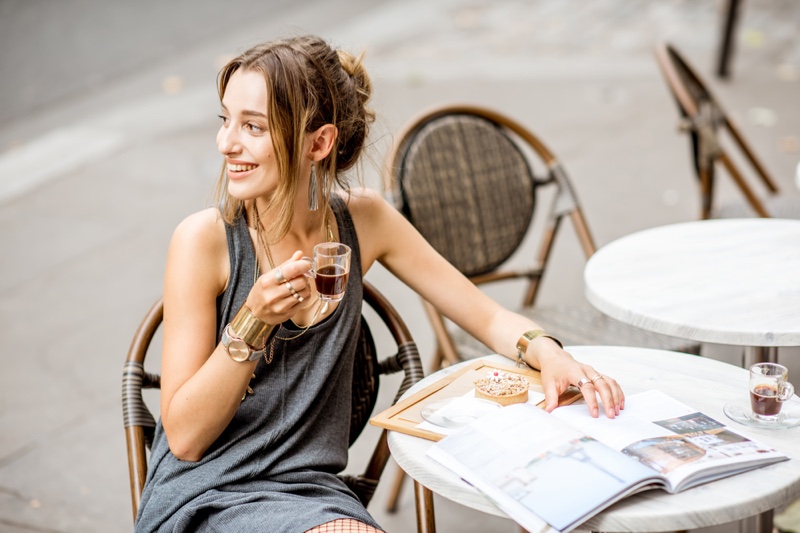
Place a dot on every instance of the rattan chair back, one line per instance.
(464, 168)
(368, 367)
(712, 132)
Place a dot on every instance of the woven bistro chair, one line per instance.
(712, 133)
(463, 175)
(140, 423)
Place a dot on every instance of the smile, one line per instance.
(240, 168)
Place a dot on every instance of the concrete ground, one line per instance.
(107, 142)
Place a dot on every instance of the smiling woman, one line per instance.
(257, 366)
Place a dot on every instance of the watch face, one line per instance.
(238, 350)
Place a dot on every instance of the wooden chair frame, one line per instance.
(703, 118)
(140, 423)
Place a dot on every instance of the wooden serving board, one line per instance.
(406, 415)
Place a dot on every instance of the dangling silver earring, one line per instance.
(313, 190)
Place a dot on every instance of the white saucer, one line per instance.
(739, 411)
(457, 412)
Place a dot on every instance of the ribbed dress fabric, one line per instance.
(274, 467)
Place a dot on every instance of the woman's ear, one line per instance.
(322, 141)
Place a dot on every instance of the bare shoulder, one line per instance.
(203, 230)
(374, 219)
(199, 243)
(364, 203)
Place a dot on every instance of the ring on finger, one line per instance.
(279, 275)
(597, 377)
(293, 292)
(582, 382)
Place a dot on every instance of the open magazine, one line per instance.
(553, 471)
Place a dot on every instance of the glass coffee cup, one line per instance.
(769, 388)
(330, 268)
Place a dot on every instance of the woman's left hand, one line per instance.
(560, 370)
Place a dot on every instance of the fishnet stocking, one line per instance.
(344, 525)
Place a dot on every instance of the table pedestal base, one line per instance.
(760, 354)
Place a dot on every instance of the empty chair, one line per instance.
(712, 134)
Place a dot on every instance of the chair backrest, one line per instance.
(140, 423)
(469, 178)
(704, 119)
(465, 177)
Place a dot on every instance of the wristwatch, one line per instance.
(238, 350)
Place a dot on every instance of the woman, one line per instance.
(256, 368)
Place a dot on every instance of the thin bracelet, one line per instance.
(527, 338)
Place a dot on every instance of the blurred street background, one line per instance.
(108, 114)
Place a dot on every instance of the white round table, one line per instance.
(703, 383)
(732, 281)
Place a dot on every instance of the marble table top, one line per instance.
(732, 281)
(703, 383)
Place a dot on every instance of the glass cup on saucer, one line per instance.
(769, 390)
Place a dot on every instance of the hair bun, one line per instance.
(354, 67)
(357, 116)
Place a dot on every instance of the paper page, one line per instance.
(672, 438)
(528, 462)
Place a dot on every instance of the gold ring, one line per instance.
(597, 377)
(279, 275)
(297, 296)
(582, 382)
(289, 287)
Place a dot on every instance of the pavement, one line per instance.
(107, 142)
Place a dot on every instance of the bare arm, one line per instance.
(409, 257)
(201, 386)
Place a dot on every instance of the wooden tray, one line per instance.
(405, 415)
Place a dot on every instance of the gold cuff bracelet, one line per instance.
(527, 338)
(251, 329)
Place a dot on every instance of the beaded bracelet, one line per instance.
(527, 338)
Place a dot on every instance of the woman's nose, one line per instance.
(227, 141)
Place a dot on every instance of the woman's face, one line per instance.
(244, 137)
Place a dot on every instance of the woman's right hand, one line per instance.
(280, 293)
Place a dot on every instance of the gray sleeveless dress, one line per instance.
(274, 467)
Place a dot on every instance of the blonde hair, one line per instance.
(309, 84)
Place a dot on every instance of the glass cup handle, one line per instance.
(312, 273)
(787, 390)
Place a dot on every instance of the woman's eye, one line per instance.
(224, 119)
(255, 128)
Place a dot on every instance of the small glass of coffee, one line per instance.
(769, 388)
(330, 269)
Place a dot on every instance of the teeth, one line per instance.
(240, 168)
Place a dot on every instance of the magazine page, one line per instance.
(685, 446)
(546, 475)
